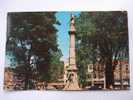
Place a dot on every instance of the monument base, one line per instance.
(72, 82)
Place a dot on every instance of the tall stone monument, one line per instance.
(72, 79)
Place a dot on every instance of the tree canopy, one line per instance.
(101, 35)
(32, 36)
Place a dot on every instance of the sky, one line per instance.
(62, 35)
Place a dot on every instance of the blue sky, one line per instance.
(62, 35)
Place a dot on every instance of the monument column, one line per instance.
(72, 79)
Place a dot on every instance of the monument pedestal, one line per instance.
(72, 82)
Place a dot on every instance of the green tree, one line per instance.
(103, 34)
(56, 67)
(32, 33)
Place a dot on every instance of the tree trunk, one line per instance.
(109, 72)
(27, 77)
(26, 82)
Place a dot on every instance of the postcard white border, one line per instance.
(64, 5)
